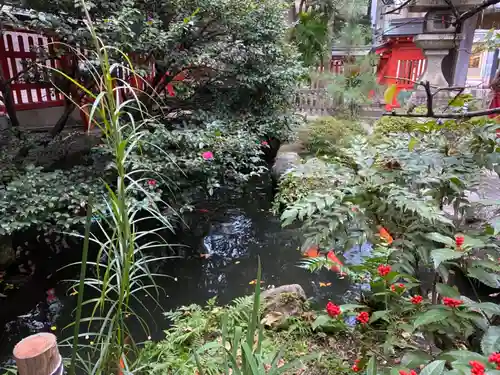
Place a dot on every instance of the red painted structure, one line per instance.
(18, 46)
(401, 63)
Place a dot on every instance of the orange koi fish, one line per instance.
(338, 264)
(384, 234)
(312, 252)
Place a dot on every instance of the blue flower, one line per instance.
(350, 321)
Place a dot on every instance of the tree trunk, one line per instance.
(38, 355)
(8, 100)
(69, 107)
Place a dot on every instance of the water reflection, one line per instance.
(233, 230)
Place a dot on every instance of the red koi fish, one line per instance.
(51, 295)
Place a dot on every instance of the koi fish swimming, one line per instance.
(313, 252)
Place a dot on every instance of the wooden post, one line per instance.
(38, 355)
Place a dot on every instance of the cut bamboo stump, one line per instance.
(38, 355)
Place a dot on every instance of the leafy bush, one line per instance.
(327, 134)
(391, 195)
(217, 340)
(237, 91)
(396, 124)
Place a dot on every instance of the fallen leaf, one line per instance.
(237, 262)
(271, 318)
(322, 284)
(254, 281)
(53, 328)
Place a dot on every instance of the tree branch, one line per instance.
(468, 14)
(453, 9)
(465, 115)
(430, 105)
(430, 98)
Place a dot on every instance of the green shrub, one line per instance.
(327, 134)
(396, 124)
(393, 124)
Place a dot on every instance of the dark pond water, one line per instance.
(235, 228)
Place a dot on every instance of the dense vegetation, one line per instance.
(228, 81)
(220, 99)
(401, 202)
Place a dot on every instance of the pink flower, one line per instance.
(264, 143)
(152, 183)
(207, 155)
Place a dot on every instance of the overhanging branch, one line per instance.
(430, 105)
(398, 8)
(465, 115)
(474, 10)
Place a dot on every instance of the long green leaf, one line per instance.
(434, 368)
(491, 340)
(371, 367)
(432, 316)
(81, 287)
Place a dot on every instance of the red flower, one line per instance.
(459, 240)
(363, 317)
(397, 287)
(264, 143)
(416, 300)
(355, 367)
(152, 182)
(403, 372)
(333, 310)
(495, 358)
(477, 368)
(384, 269)
(452, 302)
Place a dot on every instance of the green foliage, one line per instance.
(396, 124)
(399, 186)
(486, 146)
(217, 340)
(354, 86)
(240, 77)
(326, 135)
(121, 273)
(311, 36)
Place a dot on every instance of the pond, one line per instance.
(217, 256)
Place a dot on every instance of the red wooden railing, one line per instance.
(16, 47)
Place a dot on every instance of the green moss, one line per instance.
(326, 135)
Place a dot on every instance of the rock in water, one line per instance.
(283, 162)
(282, 303)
